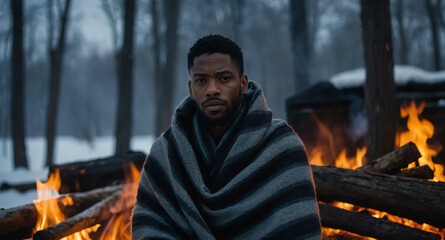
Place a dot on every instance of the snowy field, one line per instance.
(67, 149)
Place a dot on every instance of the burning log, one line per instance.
(393, 161)
(422, 172)
(97, 213)
(415, 199)
(21, 187)
(86, 175)
(24, 218)
(365, 225)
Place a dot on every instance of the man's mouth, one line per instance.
(213, 105)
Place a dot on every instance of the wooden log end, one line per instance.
(393, 161)
(422, 172)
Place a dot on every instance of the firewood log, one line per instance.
(365, 225)
(18, 218)
(86, 175)
(393, 161)
(82, 176)
(419, 200)
(21, 187)
(95, 214)
(422, 172)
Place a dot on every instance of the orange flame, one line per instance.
(48, 209)
(353, 162)
(419, 131)
(325, 145)
(119, 226)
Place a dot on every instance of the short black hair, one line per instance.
(216, 44)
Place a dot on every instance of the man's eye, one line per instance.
(200, 80)
(225, 79)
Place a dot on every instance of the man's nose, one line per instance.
(213, 88)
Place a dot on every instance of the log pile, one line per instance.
(381, 184)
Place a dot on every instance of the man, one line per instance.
(225, 169)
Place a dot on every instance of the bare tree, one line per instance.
(380, 91)
(440, 14)
(125, 82)
(404, 45)
(18, 83)
(299, 43)
(316, 9)
(56, 62)
(157, 80)
(166, 85)
(236, 10)
(434, 20)
(112, 21)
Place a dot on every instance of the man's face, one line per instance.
(217, 87)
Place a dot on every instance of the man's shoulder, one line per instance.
(281, 129)
(161, 141)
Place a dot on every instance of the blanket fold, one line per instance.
(256, 183)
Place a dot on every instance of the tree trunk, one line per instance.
(125, 86)
(168, 72)
(111, 21)
(299, 43)
(157, 79)
(236, 10)
(435, 34)
(56, 63)
(18, 80)
(380, 91)
(403, 48)
(415, 199)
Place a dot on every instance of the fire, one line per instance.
(48, 209)
(119, 226)
(352, 162)
(324, 149)
(49, 212)
(419, 131)
(379, 214)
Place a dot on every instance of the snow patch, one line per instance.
(12, 198)
(67, 149)
(402, 75)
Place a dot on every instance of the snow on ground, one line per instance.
(67, 149)
(402, 76)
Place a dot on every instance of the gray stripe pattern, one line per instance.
(255, 184)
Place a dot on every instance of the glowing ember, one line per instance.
(48, 209)
(380, 214)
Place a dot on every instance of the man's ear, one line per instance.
(190, 89)
(244, 84)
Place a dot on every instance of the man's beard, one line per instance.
(229, 115)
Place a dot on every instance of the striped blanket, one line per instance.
(256, 183)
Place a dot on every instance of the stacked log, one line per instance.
(82, 176)
(18, 222)
(382, 184)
